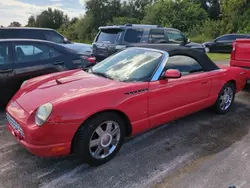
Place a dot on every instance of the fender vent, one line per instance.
(135, 92)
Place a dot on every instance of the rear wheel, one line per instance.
(225, 99)
(100, 138)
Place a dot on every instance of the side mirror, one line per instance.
(172, 74)
(65, 40)
(188, 40)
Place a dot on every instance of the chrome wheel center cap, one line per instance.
(106, 140)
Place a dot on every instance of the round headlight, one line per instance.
(43, 113)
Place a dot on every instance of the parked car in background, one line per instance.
(84, 49)
(90, 113)
(40, 34)
(240, 56)
(79, 47)
(22, 59)
(223, 43)
(111, 39)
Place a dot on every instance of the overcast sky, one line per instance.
(20, 10)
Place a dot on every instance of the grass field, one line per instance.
(218, 57)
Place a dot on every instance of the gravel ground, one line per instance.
(200, 150)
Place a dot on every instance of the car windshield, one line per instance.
(130, 65)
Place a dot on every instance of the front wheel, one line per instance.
(225, 99)
(100, 138)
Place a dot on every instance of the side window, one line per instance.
(232, 37)
(29, 34)
(157, 36)
(34, 52)
(4, 54)
(133, 35)
(53, 37)
(223, 38)
(241, 37)
(175, 37)
(185, 64)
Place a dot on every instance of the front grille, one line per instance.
(14, 124)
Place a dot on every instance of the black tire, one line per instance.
(81, 143)
(246, 87)
(217, 106)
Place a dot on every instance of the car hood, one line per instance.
(62, 87)
(208, 43)
(194, 45)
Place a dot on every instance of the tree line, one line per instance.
(201, 20)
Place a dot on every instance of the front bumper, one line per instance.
(53, 150)
(45, 141)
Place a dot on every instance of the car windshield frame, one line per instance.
(156, 62)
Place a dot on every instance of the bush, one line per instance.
(211, 29)
(179, 14)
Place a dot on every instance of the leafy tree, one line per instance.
(15, 24)
(136, 8)
(31, 21)
(181, 14)
(49, 19)
(123, 20)
(212, 7)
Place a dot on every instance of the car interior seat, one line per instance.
(20, 52)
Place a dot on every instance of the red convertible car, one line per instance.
(90, 112)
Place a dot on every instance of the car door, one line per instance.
(33, 59)
(175, 37)
(6, 70)
(222, 44)
(157, 36)
(174, 98)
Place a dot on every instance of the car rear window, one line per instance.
(109, 35)
(133, 35)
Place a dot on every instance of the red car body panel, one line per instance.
(241, 55)
(76, 96)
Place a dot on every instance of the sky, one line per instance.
(21, 10)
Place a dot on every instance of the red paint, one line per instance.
(77, 95)
(240, 56)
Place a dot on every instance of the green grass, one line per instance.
(218, 57)
(200, 38)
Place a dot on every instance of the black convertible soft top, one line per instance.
(206, 63)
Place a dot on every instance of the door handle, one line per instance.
(58, 63)
(5, 70)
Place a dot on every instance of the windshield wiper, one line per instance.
(101, 74)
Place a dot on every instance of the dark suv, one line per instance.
(113, 38)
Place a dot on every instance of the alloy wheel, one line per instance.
(226, 98)
(104, 139)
